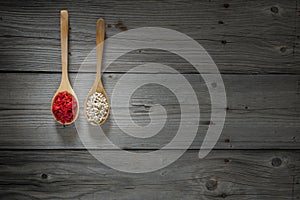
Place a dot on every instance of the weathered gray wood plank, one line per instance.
(242, 175)
(262, 112)
(242, 37)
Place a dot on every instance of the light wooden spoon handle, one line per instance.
(64, 30)
(100, 34)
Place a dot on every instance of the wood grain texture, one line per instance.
(242, 37)
(262, 111)
(240, 175)
(255, 45)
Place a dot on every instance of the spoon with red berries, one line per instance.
(64, 103)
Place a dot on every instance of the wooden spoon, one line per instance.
(65, 83)
(98, 86)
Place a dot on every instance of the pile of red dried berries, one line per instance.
(64, 107)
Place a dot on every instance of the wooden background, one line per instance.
(255, 45)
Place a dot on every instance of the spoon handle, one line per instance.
(64, 29)
(100, 34)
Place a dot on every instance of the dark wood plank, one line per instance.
(262, 112)
(242, 175)
(242, 37)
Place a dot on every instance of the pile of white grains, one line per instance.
(97, 108)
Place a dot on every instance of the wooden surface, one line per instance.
(224, 174)
(259, 114)
(255, 45)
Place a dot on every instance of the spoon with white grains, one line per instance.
(97, 105)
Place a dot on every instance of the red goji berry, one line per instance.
(64, 107)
